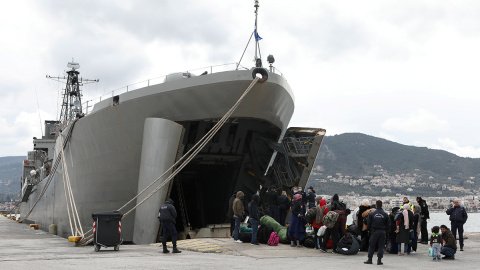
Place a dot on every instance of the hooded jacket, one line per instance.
(238, 208)
(335, 204)
(230, 205)
(167, 212)
(253, 208)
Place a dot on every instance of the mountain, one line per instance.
(361, 156)
(10, 173)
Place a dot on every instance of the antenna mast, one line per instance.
(72, 96)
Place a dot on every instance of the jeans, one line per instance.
(448, 251)
(377, 238)
(413, 241)
(254, 230)
(237, 228)
(405, 248)
(459, 226)
(169, 228)
(436, 249)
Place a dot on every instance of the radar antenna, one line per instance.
(72, 95)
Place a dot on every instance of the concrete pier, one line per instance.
(22, 247)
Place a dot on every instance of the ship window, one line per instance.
(116, 100)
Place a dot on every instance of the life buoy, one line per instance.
(262, 72)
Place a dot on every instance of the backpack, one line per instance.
(274, 239)
(330, 219)
(311, 214)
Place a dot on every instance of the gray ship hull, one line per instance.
(104, 152)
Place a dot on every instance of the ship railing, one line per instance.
(298, 146)
(158, 80)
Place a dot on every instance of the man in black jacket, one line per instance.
(271, 198)
(424, 214)
(167, 215)
(254, 217)
(458, 217)
(378, 223)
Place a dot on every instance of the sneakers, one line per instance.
(323, 250)
(255, 244)
(238, 241)
(461, 249)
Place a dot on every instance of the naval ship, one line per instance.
(111, 153)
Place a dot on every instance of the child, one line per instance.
(436, 243)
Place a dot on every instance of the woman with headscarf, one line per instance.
(296, 230)
(404, 225)
(322, 210)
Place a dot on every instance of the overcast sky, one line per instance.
(406, 71)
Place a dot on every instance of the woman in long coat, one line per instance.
(296, 229)
(404, 223)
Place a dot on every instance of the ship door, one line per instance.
(295, 157)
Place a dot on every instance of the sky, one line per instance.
(405, 71)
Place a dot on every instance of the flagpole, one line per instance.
(256, 32)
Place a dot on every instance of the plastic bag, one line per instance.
(321, 231)
(430, 252)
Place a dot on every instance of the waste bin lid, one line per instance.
(110, 214)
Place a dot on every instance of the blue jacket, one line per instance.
(378, 220)
(167, 212)
(457, 214)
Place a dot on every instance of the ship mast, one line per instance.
(72, 95)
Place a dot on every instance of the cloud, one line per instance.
(453, 147)
(18, 134)
(417, 122)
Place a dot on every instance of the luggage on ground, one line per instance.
(274, 239)
(348, 246)
(264, 233)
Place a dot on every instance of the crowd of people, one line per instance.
(372, 229)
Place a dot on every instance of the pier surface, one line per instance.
(22, 247)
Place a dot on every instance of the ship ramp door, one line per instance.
(295, 156)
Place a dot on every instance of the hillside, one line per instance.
(361, 156)
(10, 172)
